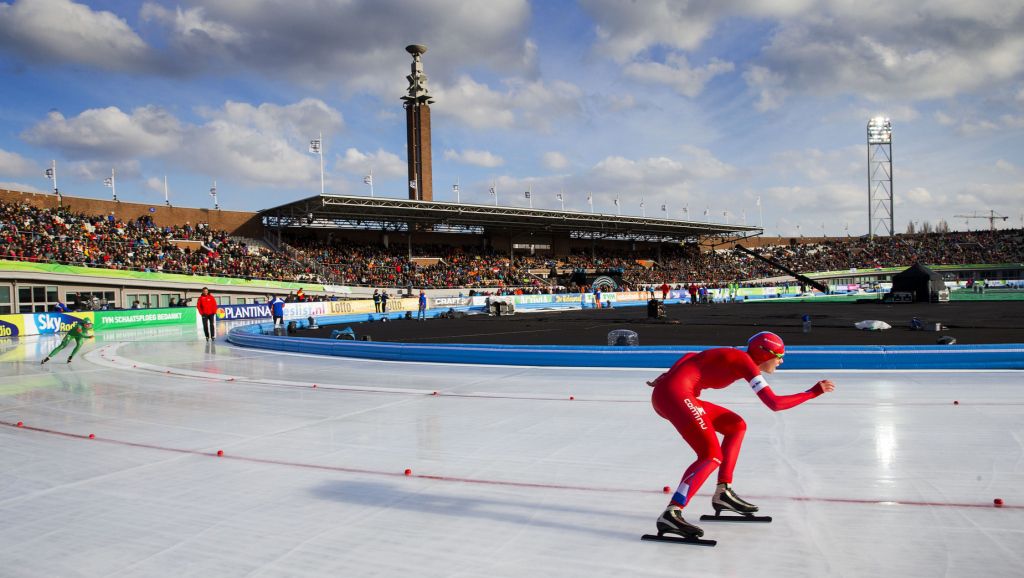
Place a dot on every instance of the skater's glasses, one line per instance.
(777, 355)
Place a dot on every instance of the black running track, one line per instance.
(970, 322)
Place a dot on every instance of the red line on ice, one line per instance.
(509, 483)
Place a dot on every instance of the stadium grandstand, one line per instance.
(91, 253)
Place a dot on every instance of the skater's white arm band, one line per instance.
(758, 383)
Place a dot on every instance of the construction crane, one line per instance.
(992, 217)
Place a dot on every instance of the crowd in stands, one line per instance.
(347, 263)
(62, 236)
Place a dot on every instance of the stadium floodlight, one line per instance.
(879, 130)
(880, 194)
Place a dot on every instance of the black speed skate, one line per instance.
(672, 522)
(45, 359)
(726, 499)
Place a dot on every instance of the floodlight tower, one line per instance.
(880, 216)
(417, 126)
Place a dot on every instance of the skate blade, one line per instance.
(679, 540)
(735, 518)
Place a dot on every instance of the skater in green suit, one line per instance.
(79, 331)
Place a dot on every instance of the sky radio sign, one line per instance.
(10, 325)
(51, 323)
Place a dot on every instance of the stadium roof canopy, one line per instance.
(387, 214)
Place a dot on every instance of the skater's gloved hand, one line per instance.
(824, 386)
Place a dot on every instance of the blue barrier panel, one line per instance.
(1010, 356)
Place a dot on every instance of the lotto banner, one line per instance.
(404, 304)
(355, 306)
(296, 310)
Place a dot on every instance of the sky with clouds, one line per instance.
(695, 106)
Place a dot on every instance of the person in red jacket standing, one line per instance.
(676, 397)
(207, 307)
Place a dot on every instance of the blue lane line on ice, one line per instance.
(173, 372)
(861, 357)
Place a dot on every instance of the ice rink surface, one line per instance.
(513, 471)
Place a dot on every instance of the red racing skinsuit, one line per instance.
(676, 398)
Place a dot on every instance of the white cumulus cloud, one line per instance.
(625, 29)
(474, 157)
(109, 133)
(1006, 166)
(358, 40)
(919, 195)
(769, 87)
(523, 104)
(677, 73)
(383, 164)
(660, 177)
(15, 165)
(63, 31)
(265, 144)
(555, 160)
(881, 53)
(97, 171)
(474, 104)
(305, 119)
(896, 49)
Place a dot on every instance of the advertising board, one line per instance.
(355, 306)
(302, 310)
(445, 302)
(12, 325)
(144, 317)
(53, 322)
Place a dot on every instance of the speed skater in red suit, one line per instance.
(676, 397)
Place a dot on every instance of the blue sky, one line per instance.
(700, 105)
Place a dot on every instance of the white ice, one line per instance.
(885, 477)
